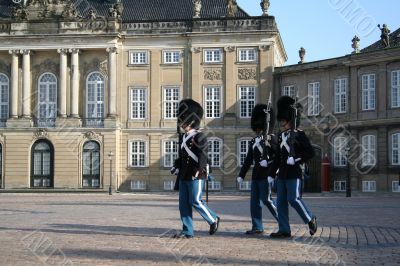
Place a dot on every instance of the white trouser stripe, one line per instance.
(299, 201)
(201, 204)
(270, 200)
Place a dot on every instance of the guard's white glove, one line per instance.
(264, 163)
(174, 171)
(239, 179)
(290, 161)
(270, 180)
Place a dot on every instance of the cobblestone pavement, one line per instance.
(135, 229)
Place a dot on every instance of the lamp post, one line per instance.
(348, 182)
(110, 155)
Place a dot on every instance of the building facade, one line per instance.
(89, 89)
(351, 109)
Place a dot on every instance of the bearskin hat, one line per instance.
(190, 113)
(259, 118)
(286, 109)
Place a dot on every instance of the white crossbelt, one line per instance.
(184, 145)
(284, 141)
(258, 145)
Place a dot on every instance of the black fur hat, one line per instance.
(286, 109)
(190, 113)
(259, 118)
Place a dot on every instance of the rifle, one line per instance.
(180, 137)
(293, 134)
(266, 135)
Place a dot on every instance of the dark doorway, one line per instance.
(91, 165)
(42, 171)
(313, 182)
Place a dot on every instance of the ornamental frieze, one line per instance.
(213, 74)
(247, 73)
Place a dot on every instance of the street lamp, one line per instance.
(348, 182)
(110, 155)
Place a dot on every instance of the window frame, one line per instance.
(173, 155)
(368, 92)
(250, 103)
(340, 99)
(211, 153)
(368, 146)
(173, 51)
(4, 104)
(239, 151)
(174, 101)
(214, 113)
(393, 150)
(213, 55)
(286, 91)
(145, 153)
(339, 156)
(368, 186)
(140, 62)
(247, 50)
(131, 102)
(340, 182)
(314, 98)
(395, 89)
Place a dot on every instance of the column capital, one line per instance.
(112, 50)
(14, 52)
(62, 51)
(74, 51)
(25, 52)
(264, 47)
(195, 49)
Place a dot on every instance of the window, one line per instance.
(4, 91)
(138, 103)
(339, 186)
(170, 152)
(169, 185)
(212, 55)
(339, 151)
(91, 164)
(395, 186)
(47, 103)
(313, 98)
(95, 99)
(245, 185)
(289, 91)
(368, 92)
(213, 102)
(214, 185)
(137, 153)
(368, 186)
(340, 95)
(138, 57)
(214, 151)
(242, 150)
(247, 55)
(396, 88)
(138, 185)
(172, 57)
(368, 152)
(247, 99)
(395, 149)
(42, 164)
(171, 102)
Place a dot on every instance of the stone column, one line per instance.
(62, 96)
(112, 82)
(75, 83)
(26, 84)
(14, 83)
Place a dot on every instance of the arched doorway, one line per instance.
(91, 165)
(313, 183)
(42, 170)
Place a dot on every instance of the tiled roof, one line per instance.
(394, 41)
(147, 10)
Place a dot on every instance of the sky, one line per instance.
(325, 28)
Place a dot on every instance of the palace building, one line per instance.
(89, 89)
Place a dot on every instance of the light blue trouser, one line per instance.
(190, 193)
(289, 191)
(260, 195)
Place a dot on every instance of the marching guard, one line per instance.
(261, 151)
(191, 168)
(294, 151)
